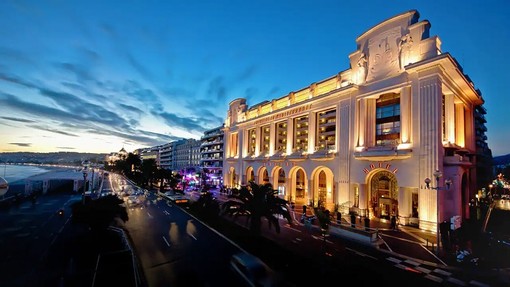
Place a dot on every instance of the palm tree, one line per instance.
(256, 201)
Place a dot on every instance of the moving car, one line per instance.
(178, 199)
(254, 271)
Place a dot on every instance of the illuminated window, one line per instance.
(388, 119)
(252, 140)
(281, 137)
(326, 129)
(301, 133)
(264, 139)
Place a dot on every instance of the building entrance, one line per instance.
(383, 195)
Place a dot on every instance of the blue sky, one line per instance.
(96, 76)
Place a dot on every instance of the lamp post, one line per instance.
(91, 186)
(84, 185)
(448, 182)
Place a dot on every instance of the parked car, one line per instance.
(254, 271)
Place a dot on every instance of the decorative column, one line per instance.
(272, 138)
(405, 115)
(460, 125)
(430, 147)
(449, 118)
(311, 131)
(258, 137)
(370, 122)
(290, 135)
(361, 112)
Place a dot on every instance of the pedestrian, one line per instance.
(393, 222)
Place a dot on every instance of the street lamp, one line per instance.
(448, 182)
(91, 185)
(84, 185)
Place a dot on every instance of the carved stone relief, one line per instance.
(383, 52)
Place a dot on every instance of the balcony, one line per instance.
(208, 143)
(323, 153)
(297, 155)
(382, 153)
(279, 155)
(211, 159)
(327, 124)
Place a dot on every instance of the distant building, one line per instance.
(148, 153)
(115, 156)
(483, 154)
(166, 156)
(186, 154)
(366, 139)
(211, 150)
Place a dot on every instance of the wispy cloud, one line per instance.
(21, 144)
(17, 120)
(43, 128)
(66, 147)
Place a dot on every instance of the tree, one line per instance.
(149, 169)
(255, 202)
(207, 206)
(100, 213)
(164, 175)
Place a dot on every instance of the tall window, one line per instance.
(252, 141)
(264, 139)
(326, 127)
(281, 137)
(301, 134)
(388, 119)
(233, 145)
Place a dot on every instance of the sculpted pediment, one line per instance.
(385, 49)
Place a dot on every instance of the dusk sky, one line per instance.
(96, 76)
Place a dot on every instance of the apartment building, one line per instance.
(211, 150)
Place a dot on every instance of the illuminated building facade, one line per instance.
(366, 138)
(211, 150)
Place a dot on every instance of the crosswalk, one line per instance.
(435, 274)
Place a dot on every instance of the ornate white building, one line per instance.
(367, 138)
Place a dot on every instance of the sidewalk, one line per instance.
(383, 228)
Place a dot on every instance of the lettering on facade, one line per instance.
(279, 164)
(284, 115)
(383, 165)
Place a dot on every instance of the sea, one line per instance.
(14, 173)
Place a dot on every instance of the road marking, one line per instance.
(361, 253)
(412, 262)
(166, 241)
(434, 278)
(150, 215)
(456, 281)
(473, 282)
(191, 235)
(292, 228)
(393, 259)
(442, 272)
